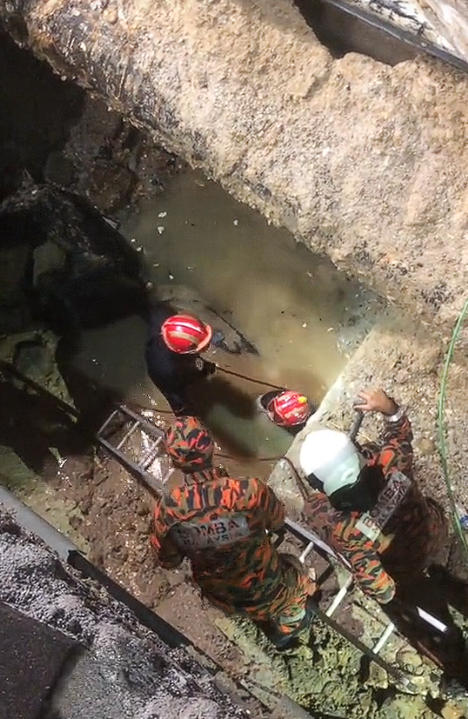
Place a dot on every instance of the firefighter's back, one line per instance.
(221, 525)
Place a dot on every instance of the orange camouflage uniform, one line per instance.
(408, 540)
(223, 525)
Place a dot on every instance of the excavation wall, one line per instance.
(363, 161)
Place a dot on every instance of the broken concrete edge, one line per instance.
(259, 105)
(439, 27)
(150, 679)
(28, 676)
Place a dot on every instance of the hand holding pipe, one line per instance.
(356, 426)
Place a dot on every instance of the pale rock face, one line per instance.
(360, 160)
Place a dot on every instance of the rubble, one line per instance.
(121, 663)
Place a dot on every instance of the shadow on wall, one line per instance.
(342, 33)
(39, 117)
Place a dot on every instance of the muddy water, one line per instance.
(303, 316)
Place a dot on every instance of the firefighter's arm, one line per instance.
(396, 451)
(268, 503)
(369, 572)
(169, 554)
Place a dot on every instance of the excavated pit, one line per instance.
(82, 147)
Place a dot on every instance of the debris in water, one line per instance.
(160, 229)
(171, 277)
(304, 324)
(162, 214)
(235, 222)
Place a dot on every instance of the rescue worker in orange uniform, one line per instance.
(286, 408)
(173, 354)
(368, 506)
(225, 526)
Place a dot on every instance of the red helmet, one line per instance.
(289, 409)
(186, 334)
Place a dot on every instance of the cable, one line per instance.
(251, 379)
(442, 425)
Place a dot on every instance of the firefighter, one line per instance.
(367, 505)
(286, 409)
(173, 354)
(224, 526)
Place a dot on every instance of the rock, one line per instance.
(112, 162)
(35, 358)
(58, 169)
(84, 272)
(121, 664)
(349, 154)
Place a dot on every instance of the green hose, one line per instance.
(442, 426)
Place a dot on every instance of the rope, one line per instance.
(251, 379)
(442, 425)
(253, 459)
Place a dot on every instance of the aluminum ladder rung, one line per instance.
(107, 422)
(135, 468)
(328, 554)
(306, 552)
(151, 454)
(320, 546)
(340, 596)
(303, 533)
(128, 435)
(383, 639)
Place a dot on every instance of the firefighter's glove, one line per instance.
(209, 368)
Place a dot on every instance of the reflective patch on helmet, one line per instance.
(219, 532)
(372, 523)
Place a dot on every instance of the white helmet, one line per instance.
(331, 458)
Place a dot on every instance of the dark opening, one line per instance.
(341, 33)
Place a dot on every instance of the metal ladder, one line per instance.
(138, 469)
(311, 541)
(314, 543)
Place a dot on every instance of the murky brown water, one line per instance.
(303, 315)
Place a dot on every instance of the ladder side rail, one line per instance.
(107, 422)
(308, 536)
(150, 428)
(154, 484)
